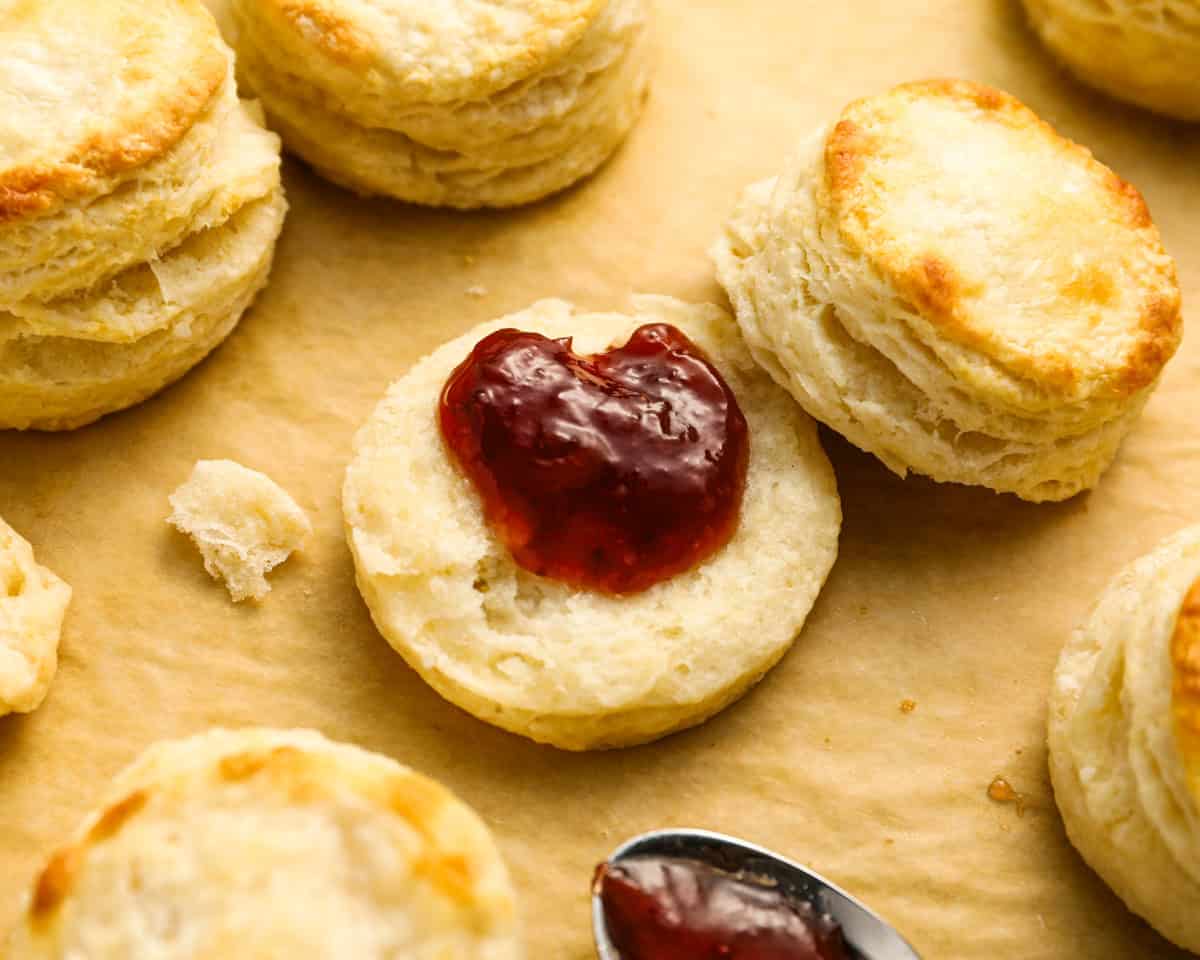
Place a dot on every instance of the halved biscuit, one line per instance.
(33, 602)
(570, 667)
(267, 843)
(1124, 747)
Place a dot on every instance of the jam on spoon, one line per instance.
(610, 472)
(673, 908)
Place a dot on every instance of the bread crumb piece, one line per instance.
(908, 706)
(242, 521)
(478, 290)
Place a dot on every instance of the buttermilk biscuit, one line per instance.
(251, 844)
(1144, 53)
(1124, 736)
(33, 602)
(956, 289)
(552, 123)
(109, 104)
(184, 306)
(243, 523)
(576, 668)
(140, 202)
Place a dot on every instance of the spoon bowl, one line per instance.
(868, 936)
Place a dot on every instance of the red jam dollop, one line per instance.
(611, 472)
(666, 908)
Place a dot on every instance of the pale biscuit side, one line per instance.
(580, 669)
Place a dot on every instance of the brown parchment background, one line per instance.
(953, 597)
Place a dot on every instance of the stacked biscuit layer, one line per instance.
(493, 104)
(272, 844)
(1147, 53)
(955, 288)
(139, 204)
(1124, 737)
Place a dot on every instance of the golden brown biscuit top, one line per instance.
(431, 51)
(90, 89)
(1010, 240)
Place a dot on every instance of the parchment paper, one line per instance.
(952, 597)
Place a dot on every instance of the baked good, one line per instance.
(491, 104)
(243, 523)
(267, 843)
(1144, 53)
(33, 602)
(1124, 736)
(957, 289)
(583, 669)
(129, 199)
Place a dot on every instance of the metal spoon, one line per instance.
(868, 936)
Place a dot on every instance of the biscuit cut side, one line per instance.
(1122, 754)
(1147, 54)
(267, 843)
(33, 603)
(579, 669)
(91, 91)
(878, 280)
(243, 523)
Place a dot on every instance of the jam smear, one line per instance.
(668, 908)
(610, 472)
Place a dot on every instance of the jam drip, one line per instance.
(611, 472)
(665, 908)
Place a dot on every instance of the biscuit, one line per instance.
(580, 669)
(33, 603)
(61, 382)
(1125, 742)
(263, 843)
(377, 55)
(515, 143)
(956, 289)
(226, 161)
(242, 522)
(375, 161)
(1147, 54)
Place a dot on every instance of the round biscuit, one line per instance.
(377, 55)
(525, 168)
(267, 843)
(580, 669)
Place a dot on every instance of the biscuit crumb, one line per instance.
(243, 523)
(1001, 791)
(908, 706)
(478, 291)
